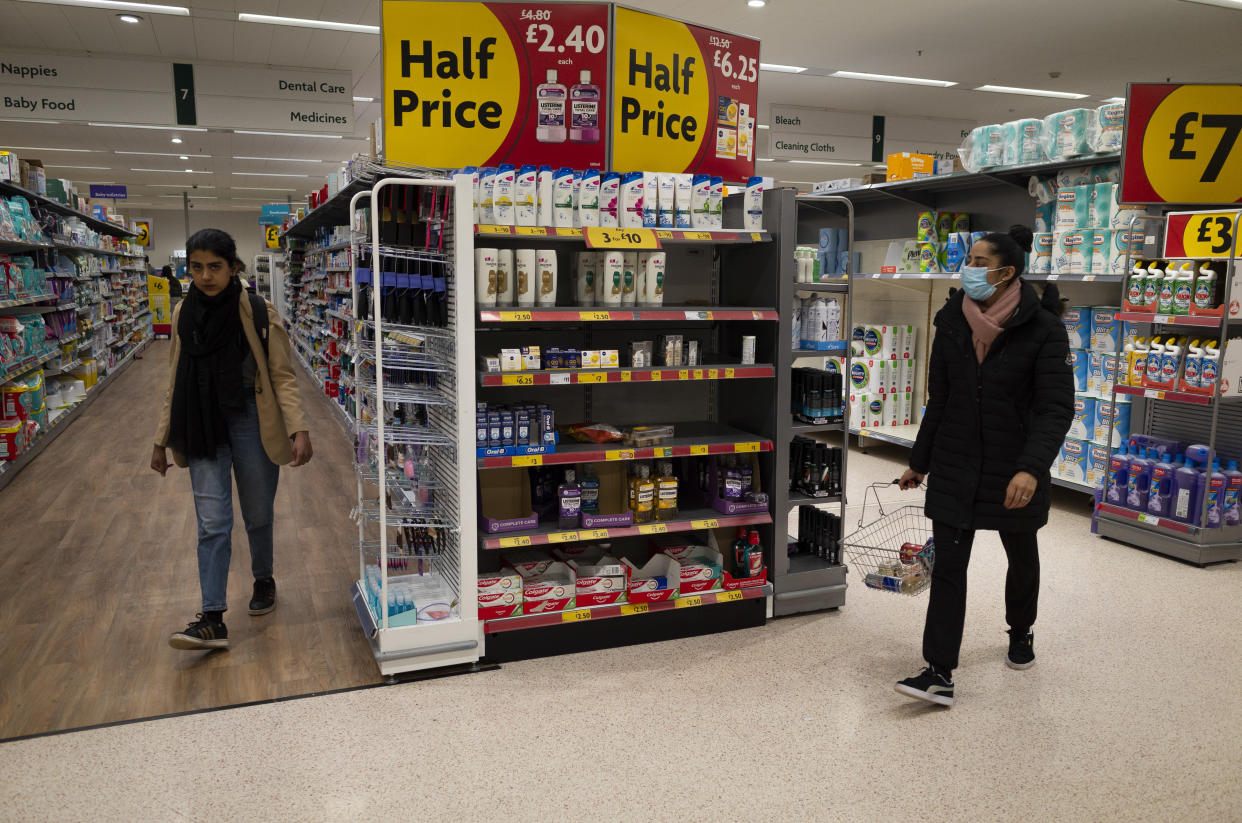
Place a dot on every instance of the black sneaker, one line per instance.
(1021, 651)
(203, 633)
(930, 686)
(264, 599)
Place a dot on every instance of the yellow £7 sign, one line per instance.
(143, 227)
(271, 234)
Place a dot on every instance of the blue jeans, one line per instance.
(213, 502)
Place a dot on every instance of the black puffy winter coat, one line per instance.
(985, 422)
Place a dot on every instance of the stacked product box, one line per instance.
(514, 430)
(1101, 421)
(882, 376)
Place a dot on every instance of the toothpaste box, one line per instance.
(677, 546)
(1080, 359)
(550, 591)
(1073, 463)
(528, 562)
(1077, 321)
(1098, 456)
(1114, 417)
(601, 582)
(701, 571)
(1105, 329)
(657, 581)
(500, 604)
(505, 581)
(1082, 427)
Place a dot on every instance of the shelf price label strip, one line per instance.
(586, 614)
(613, 455)
(585, 535)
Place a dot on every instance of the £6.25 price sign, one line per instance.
(1183, 144)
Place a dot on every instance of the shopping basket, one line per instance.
(875, 551)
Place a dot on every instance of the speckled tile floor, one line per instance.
(1133, 712)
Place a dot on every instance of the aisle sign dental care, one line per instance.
(42, 86)
(300, 100)
(1183, 144)
(685, 97)
(483, 83)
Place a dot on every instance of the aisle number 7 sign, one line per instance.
(1183, 144)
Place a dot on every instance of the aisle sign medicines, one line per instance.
(675, 109)
(483, 83)
(1183, 144)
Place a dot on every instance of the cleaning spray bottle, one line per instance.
(1217, 482)
(1160, 492)
(1118, 478)
(1205, 289)
(1186, 491)
(1233, 495)
(1139, 482)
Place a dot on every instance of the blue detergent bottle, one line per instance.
(1139, 480)
(1118, 478)
(1160, 492)
(1215, 484)
(1186, 492)
(1233, 495)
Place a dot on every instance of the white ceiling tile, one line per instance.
(174, 35)
(253, 43)
(289, 45)
(213, 40)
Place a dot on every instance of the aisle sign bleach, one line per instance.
(470, 83)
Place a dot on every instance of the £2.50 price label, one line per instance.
(1201, 234)
(1183, 144)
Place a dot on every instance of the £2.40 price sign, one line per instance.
(1183, 144)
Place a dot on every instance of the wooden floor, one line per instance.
(97, 567)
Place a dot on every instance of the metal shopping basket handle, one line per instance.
(873, 490)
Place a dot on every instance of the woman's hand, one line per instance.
(302, 451)
(910, 480)
(159, 460)
(1021, 490)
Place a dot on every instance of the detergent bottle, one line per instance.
(1205, 289)
(1199, 454)
(1118, 478)
(1233, 495)
(1151, 287)
(1186, 494)
(1155, 360)
(1160, 492)
(1183, 288)
(1139, 483)
(1216, 486)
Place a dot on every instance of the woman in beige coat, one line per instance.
(232, 407)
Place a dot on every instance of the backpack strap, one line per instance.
(258, 307)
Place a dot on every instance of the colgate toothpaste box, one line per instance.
(549, 591)
(600, 581)
(657, 581)
(677, 546)
(701, 571)
(528, 562)
(500, 604)
(502, 582)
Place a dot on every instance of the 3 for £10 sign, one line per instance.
(1183, 144)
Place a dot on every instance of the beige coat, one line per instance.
(275, 386)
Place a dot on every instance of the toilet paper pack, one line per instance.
(1105, 329)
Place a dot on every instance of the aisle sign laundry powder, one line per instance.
(685, 97)
(484, 83)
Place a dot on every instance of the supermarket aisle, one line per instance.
(1130, 714)
(98, 567)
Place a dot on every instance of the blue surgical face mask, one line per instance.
(975, 282)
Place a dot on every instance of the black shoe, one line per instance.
(1021, 651)
(264, 599)
(930, 686)
(203, 633)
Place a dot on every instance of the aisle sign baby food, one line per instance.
(481, 84)
(685, 97)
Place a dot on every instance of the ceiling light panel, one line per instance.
(290, 134)
(779, 67)
(161, 154)
(117, 5)
(266, 174)
(1063, 95)
(49, 148)
(300, 22)
(140, 126)
(892, 78)
(174, 171)
(279, 159)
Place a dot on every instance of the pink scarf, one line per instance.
(986, 326)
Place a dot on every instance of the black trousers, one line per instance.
(946, 613)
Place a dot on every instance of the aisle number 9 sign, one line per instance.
(1183, 144)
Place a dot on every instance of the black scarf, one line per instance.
(209, 371)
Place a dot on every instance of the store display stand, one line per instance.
(1210, 420)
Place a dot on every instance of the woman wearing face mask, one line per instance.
(232, 410)
(1000, 400)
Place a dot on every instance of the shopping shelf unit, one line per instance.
(1212, 419)
(995, 199)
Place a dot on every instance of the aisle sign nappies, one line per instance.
(1082, 425)
(465, 85)
(1077, 321)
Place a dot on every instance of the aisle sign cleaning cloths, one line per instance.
(470, 83)
(685, 97)
(1183, 144)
